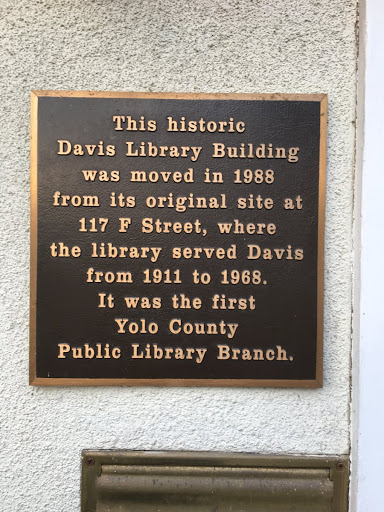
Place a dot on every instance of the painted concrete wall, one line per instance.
(368, 414)
(146, 45)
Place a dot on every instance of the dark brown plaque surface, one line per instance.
(177, 239)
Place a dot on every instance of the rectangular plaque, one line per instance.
(177, 239)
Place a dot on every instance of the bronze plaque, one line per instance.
(177, 239)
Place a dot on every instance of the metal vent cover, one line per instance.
(126, 481)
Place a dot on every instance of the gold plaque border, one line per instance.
(278, 383)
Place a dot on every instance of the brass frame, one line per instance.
(318, 381)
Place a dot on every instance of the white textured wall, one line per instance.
(147, 45)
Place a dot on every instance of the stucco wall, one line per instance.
(146, 45)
